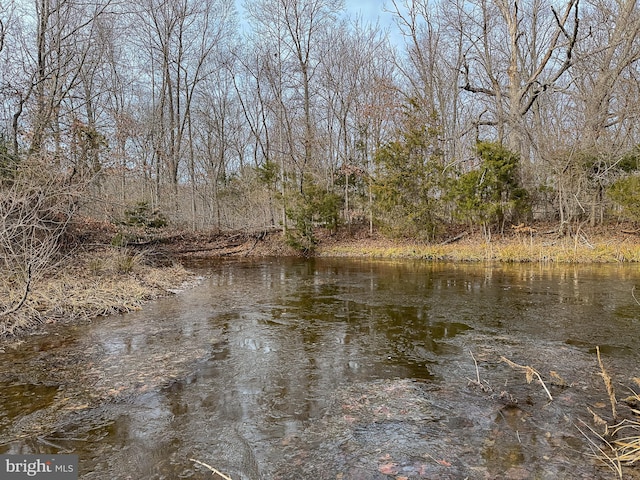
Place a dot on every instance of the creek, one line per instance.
(335, 369)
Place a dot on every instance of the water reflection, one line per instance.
(322, 368)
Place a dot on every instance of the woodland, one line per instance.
(292, 115)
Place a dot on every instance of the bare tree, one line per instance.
(180, 37)
(294, 28)
(608, 52)
(515, 52)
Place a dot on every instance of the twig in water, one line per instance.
(529, 373)
(211, 468)
(609, 386)
(476, 364)
(54, 445)
(634, 295)
(477, 382)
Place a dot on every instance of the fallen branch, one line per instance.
(529, 373)
(211, 468)
(455, 239)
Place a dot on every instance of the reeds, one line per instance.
(619, 445)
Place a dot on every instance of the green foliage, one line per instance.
(630, 162)
(492, 193)
(268, 173)
(626, 193)
(409, 181)
(142, 215)
(315, 206)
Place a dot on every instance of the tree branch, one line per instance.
(25, 294)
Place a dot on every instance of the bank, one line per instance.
(104, 269)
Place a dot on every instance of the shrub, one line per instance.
(626, 193)
(142, 215)
(491, 194)
(315, 206)
(409, 179)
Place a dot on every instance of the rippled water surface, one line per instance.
(334, 369)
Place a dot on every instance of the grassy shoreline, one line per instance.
(539, 244)
(91, 284)
(565, 251)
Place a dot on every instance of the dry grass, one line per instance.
(112, 280)
(608, 383)
(619, 445)
(539, 248)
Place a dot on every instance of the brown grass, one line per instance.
(608, 385)
(111, 280)
(599, 247)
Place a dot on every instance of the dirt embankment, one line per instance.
(519, 243)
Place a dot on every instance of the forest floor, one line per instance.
(108, 269)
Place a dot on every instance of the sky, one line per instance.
(369, 9)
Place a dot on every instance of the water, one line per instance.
(334, 369)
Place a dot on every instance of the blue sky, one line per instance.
(369, 9)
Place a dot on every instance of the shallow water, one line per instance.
(334, 369)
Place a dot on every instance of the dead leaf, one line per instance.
(388, 468)
(349, 418)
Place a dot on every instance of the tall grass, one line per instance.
(513, 250)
